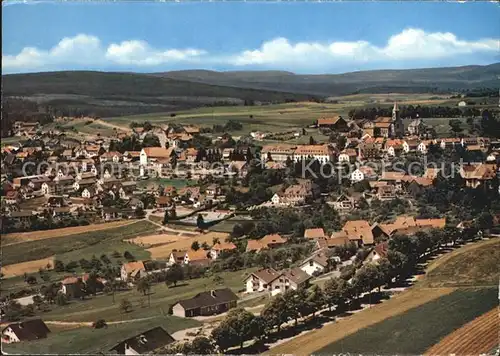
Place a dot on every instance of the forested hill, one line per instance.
(376, 81)
(114, 94)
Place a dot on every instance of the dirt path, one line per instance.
(474, 338)
(113, 126)
(89, 323)
(309, 342)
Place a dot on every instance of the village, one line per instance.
(298, 214)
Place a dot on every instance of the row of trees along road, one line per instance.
(340, 294)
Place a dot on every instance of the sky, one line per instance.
(301, 37)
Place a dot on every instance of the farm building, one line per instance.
(206, 303)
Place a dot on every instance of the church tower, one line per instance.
(397, 126)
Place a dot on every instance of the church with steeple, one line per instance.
(397, 126)
(388, 127)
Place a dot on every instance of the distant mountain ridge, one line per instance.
(373, 81)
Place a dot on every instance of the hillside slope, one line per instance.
(375, 81)
(110, 94)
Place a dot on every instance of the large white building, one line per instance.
(321, 153)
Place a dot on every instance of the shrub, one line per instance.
(99, 324)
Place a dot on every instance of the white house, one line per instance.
(276, 282)
(28, 330)
(88, 192)
(462, 104)
(316, 264)
(378, 252)
(362, 173)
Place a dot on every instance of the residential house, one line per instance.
(348, 155)
(316, 233)
(144, 343)
(386, 192)
(477, 175)
(336, 123)
(362, 173)
(403, 223)
(423, 146)
(379, 251)
(206, 303)
(198, 257)
(112, 156)
(176, 257)
(221, 247)
(450, 143)
(316, 264)
(133, 270)
(344, 203)
(276, 281)
(84, 183)
(89, 192)
(394, 147)
(28, 330)
(267, 242)
(72, 287)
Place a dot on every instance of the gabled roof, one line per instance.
(145, 342)
(134, 266)
(296, 275)
(267, 274)
(272, 239)
(209, 298)
(29, 330)
(223, 246)
(199, 254)
(158, 152)
(329, 120)
(314, 233)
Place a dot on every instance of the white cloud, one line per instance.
(139, 53)
(81, 49)
(87, 51)
(410, 44)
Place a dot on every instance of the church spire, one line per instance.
(396, 108)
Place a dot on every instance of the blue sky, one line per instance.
(302, 37)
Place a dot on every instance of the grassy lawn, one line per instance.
(88, 340)
(162, 297)
(82, 245)
(472, 265)
(416, 330)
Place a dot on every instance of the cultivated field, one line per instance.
(472, 265)
(424, 325)
(185, 244)
(20, 237)
(477, 337)
(311, 342)
(77, 246)
(160, 239)
(20, 269)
